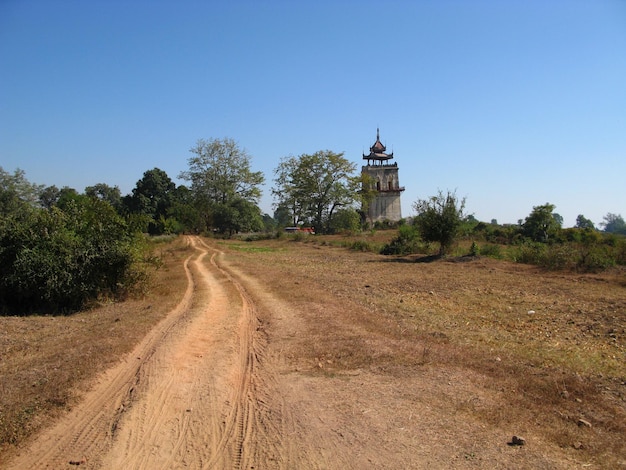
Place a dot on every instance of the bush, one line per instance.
(491, 250)
(345, 221)
(596, 258)
(407, 242)
(556, 257)
(529, 253)
(474, 250)
(56, 260)
(362, 245)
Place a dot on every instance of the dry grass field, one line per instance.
(504, 349)
(546, 351)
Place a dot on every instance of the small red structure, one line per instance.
(309, 230)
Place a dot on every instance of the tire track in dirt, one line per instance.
(237, 436)
(88, 429)
(187, 396)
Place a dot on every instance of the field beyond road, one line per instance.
(303, 354)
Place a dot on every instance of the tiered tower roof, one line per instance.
(378, 152)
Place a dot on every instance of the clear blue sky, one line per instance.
(511, 103)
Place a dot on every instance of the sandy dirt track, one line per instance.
(219, 384)
(185, 397)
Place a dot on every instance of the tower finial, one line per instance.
(377, 134)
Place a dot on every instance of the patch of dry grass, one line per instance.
(47, 361)
(548, 348)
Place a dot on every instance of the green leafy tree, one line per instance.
(17, 192)
(313, 187)
(541, 225)
(367, 194)
(614, 223)
(110, 194)
(584, 223)
(49, 196)
(153, 196)
(558, 218)
(220, 172)
(68, 195)
(186, 211)
(269, 224)
(239, 215)
(282, 215)
(439, 219)
(346, 220)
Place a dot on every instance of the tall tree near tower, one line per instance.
(313, 187)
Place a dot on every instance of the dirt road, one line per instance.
(222, 383)
(187, 395)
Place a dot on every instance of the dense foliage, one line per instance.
(58, 258)
(439, 218)
(311, 189)
(224, 190)
(542, 224)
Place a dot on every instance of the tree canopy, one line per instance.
(311, 188)
(541, 224)
(56, 258)
(439, 218)
(16, 191)
(583, 222)
(153, 197)
(224, 189)
(614, 223)
(220, 172)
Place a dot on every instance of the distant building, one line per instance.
(385, 205)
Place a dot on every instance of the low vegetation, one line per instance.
(577, 249)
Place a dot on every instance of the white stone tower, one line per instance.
(383, 175)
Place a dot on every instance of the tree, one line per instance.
(69, 196)
(239, 215)
(282, 215)
(583, 223)
(152, 194)
(220, 177)
(558, 218)
(269, 224)
(541, 224)
(16, 191)
(152, 197)
(439, 219)
(49, 196)
(186, 211)
(614, 223)
(110, 194)
(367, 194)
(346, 219)
(220, 171)
(313, 187)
